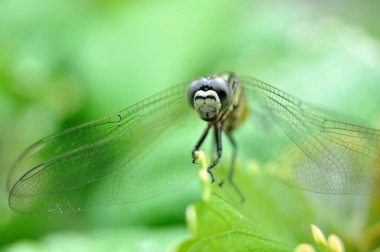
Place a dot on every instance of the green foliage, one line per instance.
(217, 226)
(274, 216)
(99, 240)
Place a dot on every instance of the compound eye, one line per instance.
(194, 86)
(224, 91)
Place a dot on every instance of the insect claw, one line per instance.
(211, 175)
(194, 157)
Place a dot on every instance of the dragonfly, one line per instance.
(144, 150)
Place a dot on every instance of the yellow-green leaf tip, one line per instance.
(319, 237)
(204, 176)
(304, 248)
(191, 219)
(335, 243)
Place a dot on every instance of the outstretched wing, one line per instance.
(135, 154)
(329, 156)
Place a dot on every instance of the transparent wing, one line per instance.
(329, 156)
(142, 151)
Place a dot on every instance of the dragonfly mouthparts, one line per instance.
(207, 104)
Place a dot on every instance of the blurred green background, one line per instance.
(66, 62)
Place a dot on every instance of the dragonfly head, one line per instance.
(210, 96)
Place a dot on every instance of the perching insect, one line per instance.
(114, 159)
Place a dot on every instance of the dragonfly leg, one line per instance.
(232, 167)
(200, 141)
(218, 139)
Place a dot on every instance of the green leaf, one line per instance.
(273, 217)
(220, 226)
